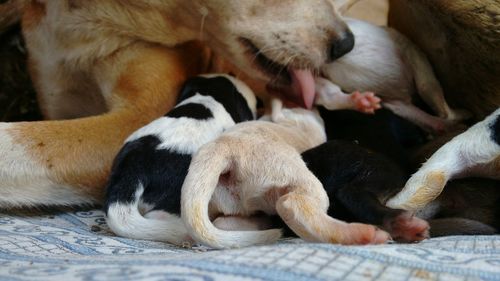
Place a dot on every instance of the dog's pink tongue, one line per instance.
(303, 86)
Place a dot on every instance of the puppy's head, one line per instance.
(236, 97)
(278, 42)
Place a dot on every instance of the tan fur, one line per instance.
(117, 61)
(264, 172)
(473, 153)
(430, 190)
(77, 154)
(461, 41)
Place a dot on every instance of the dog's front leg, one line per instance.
(476, 152)
(67, 162)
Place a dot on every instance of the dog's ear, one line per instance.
(343, 6)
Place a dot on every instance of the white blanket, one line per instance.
(78, 246)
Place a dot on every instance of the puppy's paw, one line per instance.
(366, 102)
(363, 234)
(407, 228)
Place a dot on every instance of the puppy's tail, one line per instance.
(213, 160)
(10, 13)
(125, 220)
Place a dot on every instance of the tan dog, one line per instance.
(256, 167)
(461, 40)
(109, 67)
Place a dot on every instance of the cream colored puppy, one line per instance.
(255, 167)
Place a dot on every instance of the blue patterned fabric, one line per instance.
(78, 246)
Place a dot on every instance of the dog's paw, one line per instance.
(366, 102)
(364, 234)
(407, 228)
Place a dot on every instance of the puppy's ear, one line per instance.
(343, 6)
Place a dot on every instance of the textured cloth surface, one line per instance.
(78, 246)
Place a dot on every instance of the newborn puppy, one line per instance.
(385, 62)
(143, 193)
(359, 182)
(256, 167)
(476, 152)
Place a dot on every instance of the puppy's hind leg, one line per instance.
(304, 210)
(429, 123)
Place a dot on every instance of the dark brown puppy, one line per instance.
(461, 40)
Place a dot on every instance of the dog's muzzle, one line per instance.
(342, 46)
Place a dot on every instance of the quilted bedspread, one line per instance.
(77, 245)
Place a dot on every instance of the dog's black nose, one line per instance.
(342, 46)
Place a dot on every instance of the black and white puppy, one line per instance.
(144, 189)
(476, 152)
(358, 182)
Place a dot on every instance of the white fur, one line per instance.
(126, 220)
(262, 171)
(236, 150)
(383, 61)
(182, 135)
(80, 50)
(375, 55)
(39, 187)
(471, 153)
(186, 135)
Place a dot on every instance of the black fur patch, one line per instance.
(354, 179)
(383, 132)
(161, 172)
(192, 110)
(223, 91)
(495, 130)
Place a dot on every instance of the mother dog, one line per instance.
(105, 68)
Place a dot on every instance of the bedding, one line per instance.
(77, 245)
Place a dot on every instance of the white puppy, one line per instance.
(256, 167)
(476, 152)
(387, 63)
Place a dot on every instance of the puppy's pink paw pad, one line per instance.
(363, 234)
(366, 102)
(408, 228)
